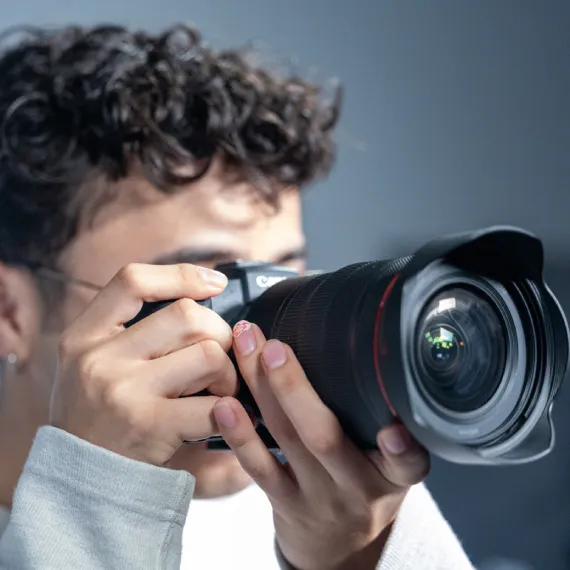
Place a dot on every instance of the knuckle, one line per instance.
(189, 273)
(337, 507)
(325, 442)
(142, 421)
(116, 397)
(213, 354)
(260, 471)
(226, 337)
(111, 397)
(91, 367)
(283, 383)
(241, 442)
(218, 331)
(186, 309)
(129, 277)
(222, 374)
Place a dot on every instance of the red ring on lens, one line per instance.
(377, 339)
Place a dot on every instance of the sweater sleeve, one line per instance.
(80, 506)
(422, 538)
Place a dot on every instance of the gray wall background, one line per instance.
(457, 115)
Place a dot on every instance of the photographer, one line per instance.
(139, 162)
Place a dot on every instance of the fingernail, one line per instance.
(396, 440)
(274, 354)
(213, 278)
(224, 415)
(244, 338)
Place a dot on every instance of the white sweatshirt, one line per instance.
(81, 507)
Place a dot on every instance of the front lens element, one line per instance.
(461, 349)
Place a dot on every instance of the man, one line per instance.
(129, 160)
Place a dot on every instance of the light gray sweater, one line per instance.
(81, 507)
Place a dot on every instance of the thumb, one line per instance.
(401, 459)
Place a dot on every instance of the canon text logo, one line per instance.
(265, 282)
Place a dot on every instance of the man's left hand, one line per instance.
(333, 504)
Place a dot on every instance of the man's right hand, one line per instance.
(120, 388)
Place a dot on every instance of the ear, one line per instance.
(20, 312)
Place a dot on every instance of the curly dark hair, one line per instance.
(77, 101)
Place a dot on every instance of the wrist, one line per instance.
(369, 557)
(365, 559)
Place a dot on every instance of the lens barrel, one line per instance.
(462, 342)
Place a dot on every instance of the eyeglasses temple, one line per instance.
(62, 278)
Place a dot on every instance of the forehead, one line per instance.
(142, 224)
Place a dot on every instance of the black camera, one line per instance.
(463, 342)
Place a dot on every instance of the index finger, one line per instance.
(122, 298)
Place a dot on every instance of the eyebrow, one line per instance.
(197, 256)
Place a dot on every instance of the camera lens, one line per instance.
(461, 349)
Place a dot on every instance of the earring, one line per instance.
(5, 363)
